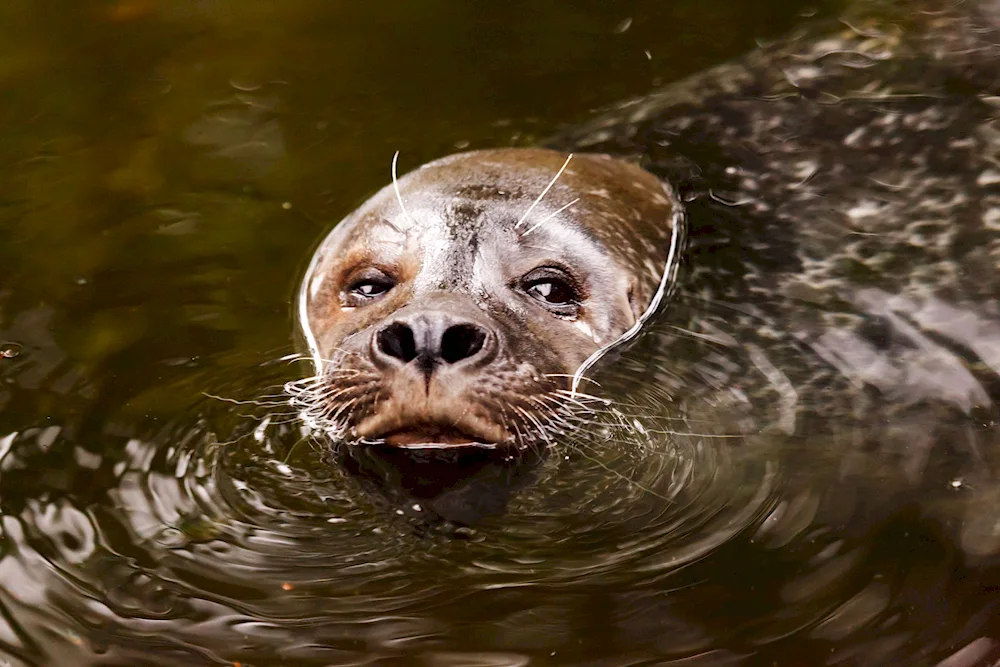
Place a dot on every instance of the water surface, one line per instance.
(167, 168)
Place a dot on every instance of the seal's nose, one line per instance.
(430, 340)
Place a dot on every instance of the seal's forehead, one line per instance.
(610, 197)
(628, 210)
(525, 191)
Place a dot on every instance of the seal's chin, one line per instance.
(430, 436)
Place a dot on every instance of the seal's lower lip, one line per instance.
(444, 445)
(434, 438)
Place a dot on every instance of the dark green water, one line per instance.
(166, 168)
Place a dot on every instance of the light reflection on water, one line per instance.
(218, 540)
(229, 545)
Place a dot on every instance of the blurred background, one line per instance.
(166, 168)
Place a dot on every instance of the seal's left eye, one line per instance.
(369, 288)
(369, 284)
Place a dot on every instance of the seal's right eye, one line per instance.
(554, 288)
(366, 286)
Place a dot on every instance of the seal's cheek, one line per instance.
(358, 290)
(549, 346)
(345, 329)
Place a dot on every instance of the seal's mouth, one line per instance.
(435, 436)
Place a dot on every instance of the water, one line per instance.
(167, 168)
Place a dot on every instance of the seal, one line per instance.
(454, 307)
(838, 195)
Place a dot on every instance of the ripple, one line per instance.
(233, 535)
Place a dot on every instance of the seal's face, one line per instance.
(455, 313)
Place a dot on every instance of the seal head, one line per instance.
(453, 308)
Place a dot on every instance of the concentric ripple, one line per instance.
(233, 537)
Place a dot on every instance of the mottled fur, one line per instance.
(840, 283)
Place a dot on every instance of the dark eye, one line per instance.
(551, 291)
(554, 289)
(369, 288)
(366, 286)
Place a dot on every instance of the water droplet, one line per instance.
(10, 350)
(623, 26)
(245, 85)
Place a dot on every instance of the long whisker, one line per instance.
(542, 431)
(572, 394)
(235, 401)
(578, 448)
(549, 217)
(399, 197)
(568, 375)
(544, 192)
(694, 335)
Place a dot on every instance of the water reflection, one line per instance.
(166, 169)
(204, 535)
(454, 486)
(214, 536)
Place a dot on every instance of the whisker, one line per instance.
(695, 435)
(549, 217)
(570, 394)
(541, 429)
(642, 487)
(554, 416)
(569, 375)
(291, 418)
(236, 401)
(291, 450)
(544, 192)
(399, 197)
(739, 308)
(700, 336)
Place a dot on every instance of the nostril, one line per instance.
(461, 341)
(396, 340)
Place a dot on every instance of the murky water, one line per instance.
(167, 168)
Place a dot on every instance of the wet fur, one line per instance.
(842, 195)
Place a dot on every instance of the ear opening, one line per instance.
(633, 304)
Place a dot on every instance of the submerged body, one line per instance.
(838, 195)
(841, 193)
